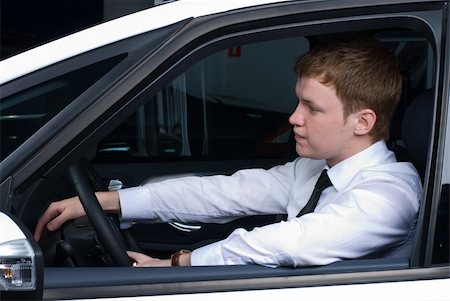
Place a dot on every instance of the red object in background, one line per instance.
(277, 143)
(234, 51)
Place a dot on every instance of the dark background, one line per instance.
(29, 23)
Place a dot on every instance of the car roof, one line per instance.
(115, 30)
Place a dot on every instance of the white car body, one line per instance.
(113, 31)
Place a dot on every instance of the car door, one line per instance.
(191, 103)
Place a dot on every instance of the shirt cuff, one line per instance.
(207, 255)
(134, 204)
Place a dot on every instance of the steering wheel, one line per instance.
(108, 233)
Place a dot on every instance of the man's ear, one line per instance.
(365, 121)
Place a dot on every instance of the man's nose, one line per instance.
(297, 117)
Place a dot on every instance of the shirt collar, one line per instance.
(342, 173)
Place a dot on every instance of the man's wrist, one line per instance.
(181, 258)
(109, 201)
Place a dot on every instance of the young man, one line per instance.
(347, 92)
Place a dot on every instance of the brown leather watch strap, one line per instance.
(175, 257)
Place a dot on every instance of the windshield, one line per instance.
(25, 112)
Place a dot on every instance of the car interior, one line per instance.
(77, 244)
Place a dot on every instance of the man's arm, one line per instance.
(211, 199)
(357, 223)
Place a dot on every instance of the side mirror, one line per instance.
(21, 262)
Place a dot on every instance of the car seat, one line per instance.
(416, 129)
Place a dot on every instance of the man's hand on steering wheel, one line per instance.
(62, 211)
(57, 214)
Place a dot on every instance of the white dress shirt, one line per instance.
(371, 206)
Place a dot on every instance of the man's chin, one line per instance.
(303, 153)
(307, 153)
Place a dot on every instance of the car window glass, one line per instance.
(25, 112)
(234, 103)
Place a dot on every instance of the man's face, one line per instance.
(319, 126)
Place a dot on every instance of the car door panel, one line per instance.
(90, 283)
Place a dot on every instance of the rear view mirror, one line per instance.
(21, 263)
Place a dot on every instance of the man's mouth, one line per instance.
(299, 137)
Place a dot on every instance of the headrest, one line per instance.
(417, 125)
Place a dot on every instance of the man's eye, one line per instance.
(312, 109)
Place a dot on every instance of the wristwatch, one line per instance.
(175, 257)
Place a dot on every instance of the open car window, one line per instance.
(223, 107)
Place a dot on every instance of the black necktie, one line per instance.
(322, 183)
